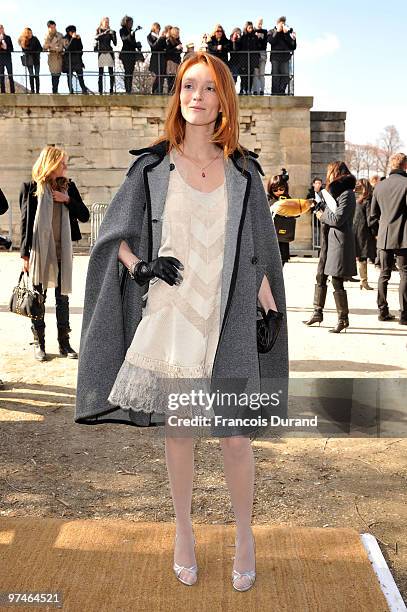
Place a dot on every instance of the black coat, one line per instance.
(235, 59)
(28, 206)
(173, 53)
(72, 58)
(3, 203)
(280, 41)
(131, 47)
(389, 208)
(33, 50)
(158, 48)
(365, 242)
(262, 40)
(213, 48)
(5, 54)
(249, 61)
(104, 40)
(337, 239)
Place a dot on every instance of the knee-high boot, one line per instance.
(65, 349)
(341, 301)
(319, 303)
(39, 343)
(362, 265)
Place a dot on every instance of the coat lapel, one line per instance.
(158, 176)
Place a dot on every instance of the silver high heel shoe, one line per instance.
(193, 569)
(250, 574)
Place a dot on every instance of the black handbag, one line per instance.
(27, 302)
(268, 329)
(27, 60)
(285, 228)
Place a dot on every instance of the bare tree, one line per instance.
(354, 156)
(388, 144)
(370, 158)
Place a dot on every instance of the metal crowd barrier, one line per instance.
(316, 233)
(97, 212)
(240, 64)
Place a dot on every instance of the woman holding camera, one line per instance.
(337, 255)
(277, 188)
(51, 207)
(105, 37)
(131, 51)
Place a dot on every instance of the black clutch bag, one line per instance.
(26, 302)
(268, 329)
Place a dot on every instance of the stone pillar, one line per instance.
(327, 140)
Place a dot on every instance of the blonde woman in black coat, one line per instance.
(104, 38)
(51, 207)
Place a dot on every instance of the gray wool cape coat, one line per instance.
(113, 301)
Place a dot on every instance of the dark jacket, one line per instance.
(281, 41)
(72, 58)
(33, 50)
(337, 230)
(365, 242)
(261, 40)
(28, 206)
(158, 57)
(235, 57)
(5, 54)
(3, 203)
(104, 40)
(249, 42)
(131, 47)
(389, 208)
(173, 53)
(213, 47)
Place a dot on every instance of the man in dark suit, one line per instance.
(389, 208)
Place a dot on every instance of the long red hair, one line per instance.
(226, 131)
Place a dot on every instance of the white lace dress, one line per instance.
(174, 345)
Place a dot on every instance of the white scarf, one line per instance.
(43, 257)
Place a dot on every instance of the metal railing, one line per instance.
(97, 212)
(127, 69)
(316, 233)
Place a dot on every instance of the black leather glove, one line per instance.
(268, 328)
(165, 268)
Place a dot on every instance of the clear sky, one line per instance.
(350, 55)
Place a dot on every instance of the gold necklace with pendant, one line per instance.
(200, 167)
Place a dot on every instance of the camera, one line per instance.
(284, 175)
(137, 28)
(319, 203)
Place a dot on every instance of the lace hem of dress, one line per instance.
(170, 370)
(141, 389)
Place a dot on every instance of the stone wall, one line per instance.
(327, 140)
(97, 133)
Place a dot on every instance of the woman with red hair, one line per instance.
(191, 227)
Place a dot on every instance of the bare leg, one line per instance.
(179, 454)
(239, 469)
